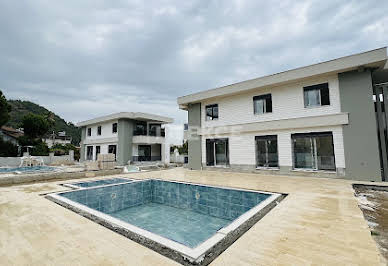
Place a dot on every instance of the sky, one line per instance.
(83, 59)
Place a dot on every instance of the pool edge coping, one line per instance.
(192, 255)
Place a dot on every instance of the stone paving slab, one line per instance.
(318, 223)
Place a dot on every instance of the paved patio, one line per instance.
(319, 223)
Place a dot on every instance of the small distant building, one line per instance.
(9, 134)
(57, 138)
(131, 136)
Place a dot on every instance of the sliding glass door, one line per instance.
(217, 152)
(267, 151)
(314, 151)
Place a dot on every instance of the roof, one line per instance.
(12, 132)
(375, 58)
(127, 115)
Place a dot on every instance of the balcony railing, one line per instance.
(150, 133)
(146, 158)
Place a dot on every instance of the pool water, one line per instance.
(185, 213)
(102, 182)
(183, 226)
(28, 169)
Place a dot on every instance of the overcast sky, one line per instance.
(83, 59)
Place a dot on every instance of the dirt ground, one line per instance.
(373, 201)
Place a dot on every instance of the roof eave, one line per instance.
(374, 58)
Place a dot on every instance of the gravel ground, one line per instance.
(373, 201)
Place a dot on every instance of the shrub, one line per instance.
(40, 149)
(8, 149)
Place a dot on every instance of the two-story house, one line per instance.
(324, 119)
(131, 136)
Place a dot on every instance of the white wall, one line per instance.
(103, 149)
(242, 146)
(287, 102)
(106, 131)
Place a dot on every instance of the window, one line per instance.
(144, 152)
(316, 95)
(140, 129)
(217, 152)
(98, 151)
(212, 112)
(89, 153)
(89, 131)
(267, 151)
(114, 128)
(314, 151)
(262, 104)
(112, 149)
(99, 130)
(155, 129)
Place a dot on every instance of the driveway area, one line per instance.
(318, 223)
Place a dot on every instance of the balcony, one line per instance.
(144, 139)
(153, 133)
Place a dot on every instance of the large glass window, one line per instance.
(144, 152)
(98, 151)
(89, 131)
(89, 153)
(267, 151)
(314, 151)
(140, 128)
(217, 152)
(262, 104)
(212, 112)
(112, 149)
(316, 95)
(155, 129)
(99, 130)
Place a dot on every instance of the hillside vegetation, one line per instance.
(21, 108)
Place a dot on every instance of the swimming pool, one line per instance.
(97, 183)
(29, 169)
(190, 223)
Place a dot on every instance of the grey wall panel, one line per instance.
(361, 148)
(82, 150)
(194, 140)
(124, 144)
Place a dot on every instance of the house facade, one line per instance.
(57, 138)
(9, 134)
(131, 136)
(322, 120)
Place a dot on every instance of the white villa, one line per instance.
(131, 136)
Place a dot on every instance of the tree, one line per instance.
(5, 109)
(35, 126)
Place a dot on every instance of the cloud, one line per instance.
(84, 59)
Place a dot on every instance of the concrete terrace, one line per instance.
(318, 223)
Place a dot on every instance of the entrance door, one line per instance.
(144, 152)
(217, 152)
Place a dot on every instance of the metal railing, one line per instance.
(146, 158)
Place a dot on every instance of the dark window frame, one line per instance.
(114, 128)
(267, 106)
(89, 156)
(324, 94)
(267, 138)
(89, 131)
(98, 151)
(313, 135)
(211, 157)
(212, 115)
(99, 130)
(115, 150)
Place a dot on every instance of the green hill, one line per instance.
(21, 108)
